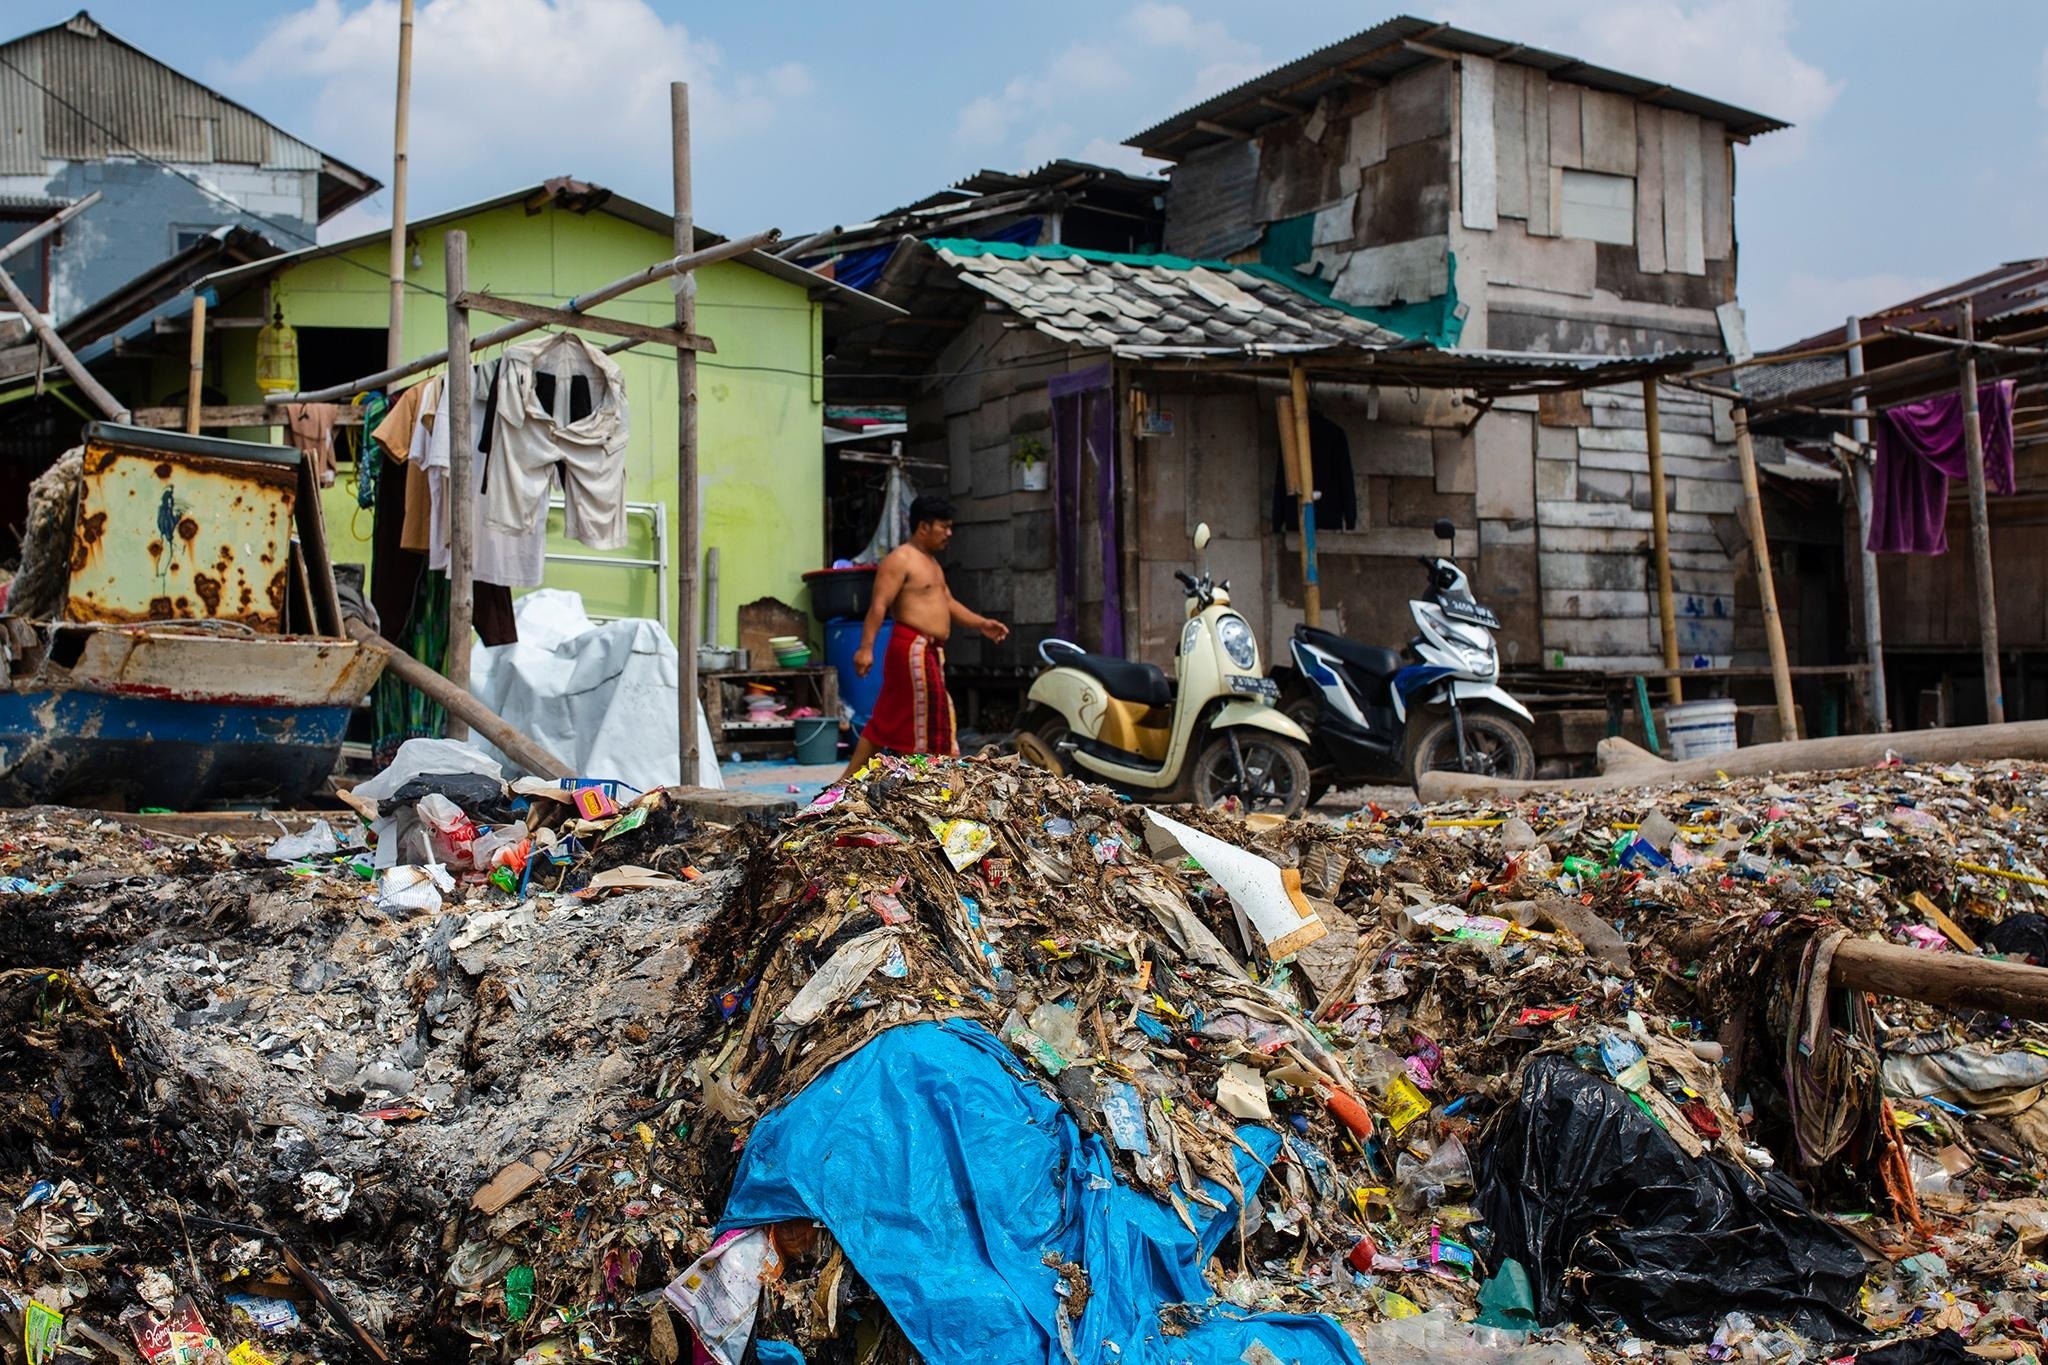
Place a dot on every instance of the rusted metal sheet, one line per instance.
(173, 527)
(192, 664)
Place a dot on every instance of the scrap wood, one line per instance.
(1625, 765)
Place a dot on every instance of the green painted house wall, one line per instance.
(760, 398)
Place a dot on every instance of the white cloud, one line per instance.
(506, 92)
(1739, 51)
(1805, 303)
(1037, 111)
(1076, 71)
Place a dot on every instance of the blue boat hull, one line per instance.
(123, 752)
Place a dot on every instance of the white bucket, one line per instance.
(1695, 729)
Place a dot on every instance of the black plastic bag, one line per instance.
(1614, 1220)
(1943, 1348)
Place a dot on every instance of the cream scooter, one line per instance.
(1214, 733)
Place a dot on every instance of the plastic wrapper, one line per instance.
(1613, 1220)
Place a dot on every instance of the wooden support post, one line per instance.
(1873, 617)
(1660, 536)
(1305, 493)
(196, 380)
(1766, 586)
(461, 478)
(1980, 524)
(687, 551)
(486, 722)
(45, 333)
(394, 335)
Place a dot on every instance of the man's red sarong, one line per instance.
(913, 715)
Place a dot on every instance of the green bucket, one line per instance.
(817, 739)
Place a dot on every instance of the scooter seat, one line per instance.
(1375, 660)
(1145, 684)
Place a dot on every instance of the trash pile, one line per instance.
(970, 1062)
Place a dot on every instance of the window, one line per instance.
(184, 238)
(1598, 208)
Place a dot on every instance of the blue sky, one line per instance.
(1919, 155)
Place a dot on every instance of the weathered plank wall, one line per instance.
(1001, 561)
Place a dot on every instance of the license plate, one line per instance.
(1258, 687)
(1472, 612)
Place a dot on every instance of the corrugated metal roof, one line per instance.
(1171, 308)
(2012, 290)
(1387, 50)
(585, 198)
(75, 91)
(1129, 304)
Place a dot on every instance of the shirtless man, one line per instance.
(914, 715)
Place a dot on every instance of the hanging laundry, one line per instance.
(1920, 448)
(561, 414)
(508, 559)
(310, 429)
(368, 455)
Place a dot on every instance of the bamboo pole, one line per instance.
(480, 718)
(660, 270)
(1873, 621)
(40, 325)
(1660, 536)
(48, 227)
(394, 334)
(196, 380)
(687, 633)
(1767, 590)
(461, 495)
(1305, 492)
(1980, 523)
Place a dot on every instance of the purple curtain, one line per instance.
(1084, 417)
(1920, 448)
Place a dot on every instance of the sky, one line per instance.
(1917, 157)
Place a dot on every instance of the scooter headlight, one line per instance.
(1236, 638)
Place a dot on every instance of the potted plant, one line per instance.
(1029, 458)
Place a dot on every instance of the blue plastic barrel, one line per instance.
(842, 642)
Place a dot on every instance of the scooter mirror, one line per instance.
(1444, 529)
(1202, 537)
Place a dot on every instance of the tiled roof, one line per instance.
(1142, 306)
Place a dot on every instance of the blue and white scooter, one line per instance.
(1374, 714)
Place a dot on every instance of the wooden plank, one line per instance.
(1650, 253)
(1684, 183)
(1567, 137)
(1607, 127)
(586, 322)
(462, 508)
(1504, 455)
(1536, 140)
(1511, 139)
(1717, 193)
(1479, 178)
(1595, 604)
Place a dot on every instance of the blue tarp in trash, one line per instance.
(946, 1173)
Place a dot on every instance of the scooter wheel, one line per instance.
(1264, 771)
(1496, 747)
(1038, 743)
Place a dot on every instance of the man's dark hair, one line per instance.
(929, 507)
